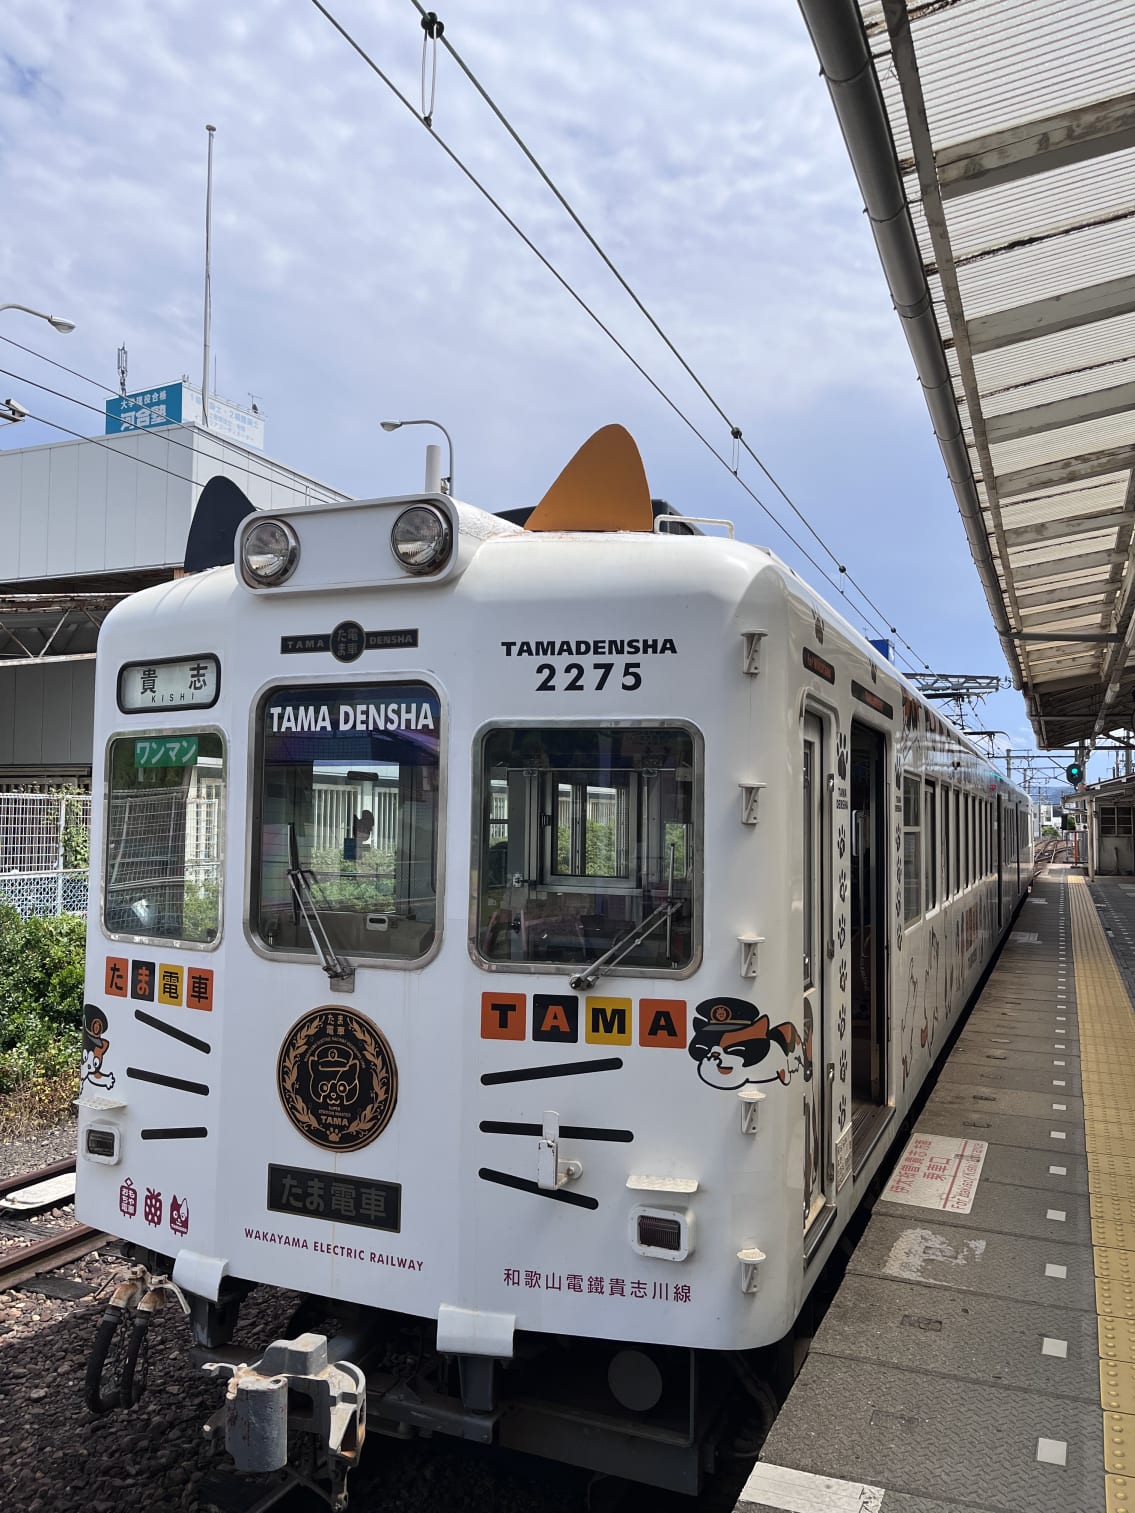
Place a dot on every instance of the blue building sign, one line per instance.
(180, 404)
(144, 410)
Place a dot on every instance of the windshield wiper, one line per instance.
(663, 914)
(586, 979)
(338, 969)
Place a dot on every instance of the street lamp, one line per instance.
(61, 325)
(394, 425)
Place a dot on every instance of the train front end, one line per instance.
(430, 896)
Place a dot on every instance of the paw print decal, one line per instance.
(842, 886)
(841, 1024)
(843, 977)
(841, 843)
(841, 757)
(843, 1066)
(843, 1111)
(841, 933)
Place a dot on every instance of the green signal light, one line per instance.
(1074, 772)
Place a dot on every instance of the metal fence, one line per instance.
(44, 846)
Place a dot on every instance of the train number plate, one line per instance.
(337, 1198)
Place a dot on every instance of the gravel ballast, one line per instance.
(56, 1457)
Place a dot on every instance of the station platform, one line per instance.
(985, 1360)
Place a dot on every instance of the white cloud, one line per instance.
(357, 274)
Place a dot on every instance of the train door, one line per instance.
(868, 940)
(817, 1101)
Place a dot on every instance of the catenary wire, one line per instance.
(188, 446)
(71, 399)
(438, 34)
(82, 403)
(96, 441)
(159, 432)
(560, 279)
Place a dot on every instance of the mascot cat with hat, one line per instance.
(733, 1043)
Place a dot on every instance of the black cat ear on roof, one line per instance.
(216, 520)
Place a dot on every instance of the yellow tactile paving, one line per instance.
(1107, 1069)
(1116, 1265)
(1117, 1338)
(1117, 1386)
(1113, 1223)
(1118, 1438)
(1115, 1298)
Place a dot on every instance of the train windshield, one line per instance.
(164, 830)
(347, 792)
(585, 833)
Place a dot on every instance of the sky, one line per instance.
(358, 275)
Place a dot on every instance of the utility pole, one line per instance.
(208, 289)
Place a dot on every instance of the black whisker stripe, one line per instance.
(523, 1185)
(198, 1132)
(170, 1029)
(163, 1081)
(561, 1069)
(568, 1131)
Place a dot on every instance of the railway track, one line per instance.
(19, 1263)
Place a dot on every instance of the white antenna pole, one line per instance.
(208, 290)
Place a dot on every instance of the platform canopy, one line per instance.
(994, 142)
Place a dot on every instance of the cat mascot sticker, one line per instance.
(733, 1043)
(95, 1047)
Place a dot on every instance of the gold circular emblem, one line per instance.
(337, 1078)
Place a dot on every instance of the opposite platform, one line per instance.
(986, 1359)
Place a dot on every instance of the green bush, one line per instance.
(41, 996)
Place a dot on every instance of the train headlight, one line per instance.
(421, 539)
(269, 553)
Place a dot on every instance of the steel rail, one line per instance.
(10, 1185)
(26, 1261)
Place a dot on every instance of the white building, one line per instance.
(82, 523)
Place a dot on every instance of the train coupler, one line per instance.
(294, 1388)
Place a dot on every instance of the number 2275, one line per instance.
(574, 676)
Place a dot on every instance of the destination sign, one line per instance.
(182, 683)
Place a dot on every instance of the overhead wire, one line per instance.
(839, 587)
(98, 441)
(159, 432)
(71, 399)
(436, 32)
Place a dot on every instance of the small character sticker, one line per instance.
(95, 1047)
(734, 1043)
(152, 1207)
(128, 1198)
(179, 1215)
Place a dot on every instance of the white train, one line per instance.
(523, 939)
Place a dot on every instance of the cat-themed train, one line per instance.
(522, 939)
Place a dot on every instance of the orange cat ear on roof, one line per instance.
(603, 488)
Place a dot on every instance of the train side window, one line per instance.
(348, 791)
(949, 841)
(165, 825)
(911, 848)
(585, 835)
(930, 811)
(969, 840)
